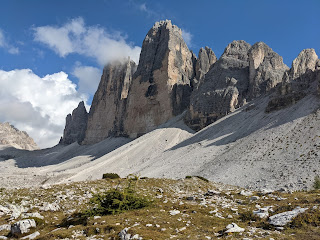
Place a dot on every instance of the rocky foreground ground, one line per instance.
(190, 208)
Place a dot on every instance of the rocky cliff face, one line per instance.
(302, 78)
(162, 83)
(242, 73)
(266, 69)
(76, 124)
(223, 87)
(169, 79)
(108, 110)
(9, 135)
(206, 58)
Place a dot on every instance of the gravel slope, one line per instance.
(248, 148)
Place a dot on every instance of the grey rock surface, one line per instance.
(161, 86)
(233, 227)
(108, 109)
(206, 58)
(302, 78)
(22, 226)
(223, 88)
(266, 69)
(76, 124)
(282, 219)
(9, 135)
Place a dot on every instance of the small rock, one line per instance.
(265, 191)
(50, 207)
(262, 212)
(254, 198)
(245, 193)
(32, 236)
(174, 212)
(32, 215)
(233, 228)
(212, 193)
(149, 225)
(190, 198)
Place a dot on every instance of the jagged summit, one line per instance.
(9, 135)
(76, 124)
(132, 100)
(109, 104)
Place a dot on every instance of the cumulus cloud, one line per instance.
(37, 105)
(187, 36)
(92, 41)
(4, 44)
(89, 78)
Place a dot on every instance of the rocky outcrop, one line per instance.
(108, 109)
(206, 58)
(266, 69)
(307, 60)
(223, 89)
(302, 78)
(162, 83)
(9, 135)
(76, 124)
(242, 73)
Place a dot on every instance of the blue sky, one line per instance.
(63, 43)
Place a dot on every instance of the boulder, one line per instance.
(22, 226)
(284, 218)
(76, 124)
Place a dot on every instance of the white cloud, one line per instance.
(37, 105)
(187, 36)
(89, 78)
(91, 41)
(4, 44)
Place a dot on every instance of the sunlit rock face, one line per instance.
(161, 86)
(9, 135)
(108, 109)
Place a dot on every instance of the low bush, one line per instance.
(316, 183)
(110, 176)
(310, 217)
(117, 201)
(248, 216)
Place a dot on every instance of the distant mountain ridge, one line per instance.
(132, 100)
(9, 135)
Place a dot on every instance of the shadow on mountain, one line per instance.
(61, 153)
(249, 119)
